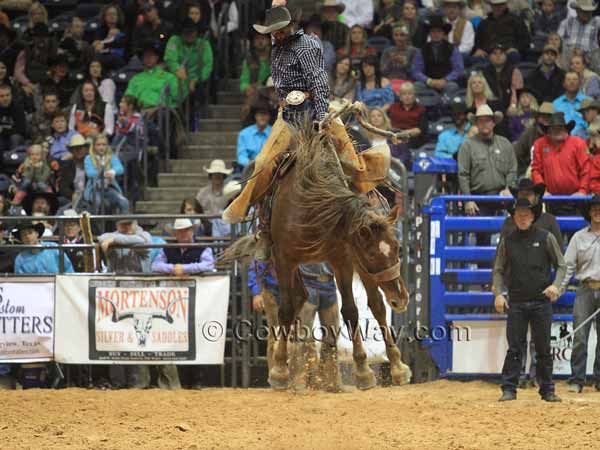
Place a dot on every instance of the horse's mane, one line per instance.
(330, 206)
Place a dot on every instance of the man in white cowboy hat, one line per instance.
(252, 138)
(486, 162)
(501, 26)
(184, 261)
(462, 34)
(439, 64)
(211, 196)
(297, 68)
(581, 32)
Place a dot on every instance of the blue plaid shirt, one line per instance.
(297, 65)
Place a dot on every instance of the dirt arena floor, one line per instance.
(440, 415)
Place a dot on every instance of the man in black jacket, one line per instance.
(504, 27)
(71, 174)
(12, 121)
(546, 81)
(499, 74)
(524, 262)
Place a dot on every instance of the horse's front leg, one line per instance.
(365, 378)
(400, 372)
(291, 303)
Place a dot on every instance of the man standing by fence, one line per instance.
(524, 262)
(583, 260)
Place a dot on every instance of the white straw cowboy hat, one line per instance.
(332, 4)
(182, 224)
(217, 166)
(78, 141)
(584, 5)
(231, 189)
(276, 19)
(485, 111)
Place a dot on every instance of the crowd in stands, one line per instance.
(500, 85)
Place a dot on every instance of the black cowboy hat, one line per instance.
(527, 184)
(40, 30)
(585, 209)
(437, 22)
(276, 19)
(50, 198)
(189, 26)
(536, 209)
(558, 120)
(38, 227)
(458, 108)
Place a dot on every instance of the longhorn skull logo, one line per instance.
(142, 321)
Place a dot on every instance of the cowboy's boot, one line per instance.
(278, 141)
(367, 169)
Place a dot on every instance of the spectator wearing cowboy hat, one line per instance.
(252, 138)
(589, 110)
(547, 79)
(523, 268)
(583, 261)
(334, 31)
(45, 203)
(211, 196)
(220, 228)
(58, 80)
(149, 86)
(570, 102)
(503, 27)
(561, 162)
(581, 32)
(450, 140)
(530, 135)
(439, 64)
(462, 34)
(502, 76)
(38, 261)
(71, 173)
(184, 261)
(486, 162)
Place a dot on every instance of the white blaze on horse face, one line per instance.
(384, 248)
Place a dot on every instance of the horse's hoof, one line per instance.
(279, 378)
(299, 389)
(401, 377)
(366, 380)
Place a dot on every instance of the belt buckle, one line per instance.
(295, 98)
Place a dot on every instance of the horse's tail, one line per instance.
(241, 249)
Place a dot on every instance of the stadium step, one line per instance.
(221, 125)
(193, 165)
(214, 138)
(173, 180)
(224, 112)
(203, 152)
(229, 98)
(158, 207)
(170, 194)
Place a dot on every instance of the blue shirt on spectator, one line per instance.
(155, 251)
(569, 108)
(261, 276)
(58, 147)
(250, 142)
(43, 261)
(449, 141)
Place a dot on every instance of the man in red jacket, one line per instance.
(562, 163)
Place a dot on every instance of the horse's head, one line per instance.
(377, 252)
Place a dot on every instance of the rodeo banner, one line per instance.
(26, 319)
(128, 320)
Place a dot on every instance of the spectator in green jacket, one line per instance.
(256, 70)
(190, 58)
(149, 86)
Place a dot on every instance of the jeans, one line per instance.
(450, 88)
(520, 315)
(113, 200)
(586, 303)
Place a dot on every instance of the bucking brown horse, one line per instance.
(317, 217)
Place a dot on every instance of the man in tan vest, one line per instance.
(462, 34)
(297, 68)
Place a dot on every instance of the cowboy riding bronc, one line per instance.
(299, 76)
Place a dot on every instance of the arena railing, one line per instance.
(238, 362)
